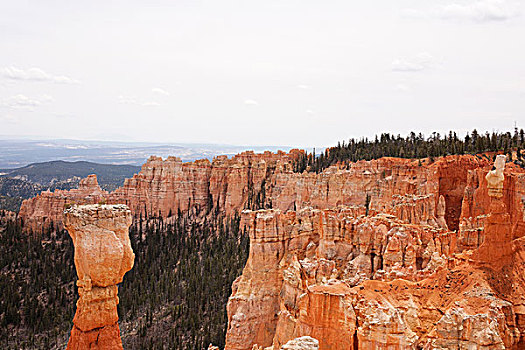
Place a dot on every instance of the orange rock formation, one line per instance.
(103, 255)
(389, 253)
(476, 205)
(302, 343)
(6, 215)
(165, 186)
(386, 281)
(401, 187)
(47, 208)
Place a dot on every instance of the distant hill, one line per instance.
(26, 182)
(18, 153)
(52, 173)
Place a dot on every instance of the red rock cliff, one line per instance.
(381, 282)
(405, 188)
(47, 208)
(476, 203)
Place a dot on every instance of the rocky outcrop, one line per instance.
(302, 343)
(477, 201)
(45, 210)
(103, 255)
(302, 266)
(164, 187)
(496, 249)
(382, 281)
(495, 178)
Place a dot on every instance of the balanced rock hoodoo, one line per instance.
(103, 255)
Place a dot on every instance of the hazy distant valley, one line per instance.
(19, 153)
(22, 183)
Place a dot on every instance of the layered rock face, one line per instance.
(103, 255)
(46, 209)
(166, 186)
(383, 281)
(476, 204)
(405, 188)
(302, 266)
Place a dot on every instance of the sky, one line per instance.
(274, 72)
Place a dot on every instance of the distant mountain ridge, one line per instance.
(59, 171)
(18, 153)
(26, 182)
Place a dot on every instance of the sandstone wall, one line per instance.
(47, 208)
(396, 278)
(476, 203)
(376, 282)
(404, 188)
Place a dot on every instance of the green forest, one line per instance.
(414, 146)
(175, 295)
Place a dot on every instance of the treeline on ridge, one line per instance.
(413, 146)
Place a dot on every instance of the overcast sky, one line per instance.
(269, 72)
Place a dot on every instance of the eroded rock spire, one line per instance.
(103, 255)
(495, 177)
(496, 250)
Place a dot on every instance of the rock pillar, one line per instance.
(496, 250)
(103, 255)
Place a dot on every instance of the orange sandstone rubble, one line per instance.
(103, 255)
(302, 343)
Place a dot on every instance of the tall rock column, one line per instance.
(103, 255)
(496, 250)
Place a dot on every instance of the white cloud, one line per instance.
(251, 102)
(34, 74)
(478, 11)
(418, 63)
(304, 86)
(160, 91)
(127, 100)
(481, 11)
(24, 102)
